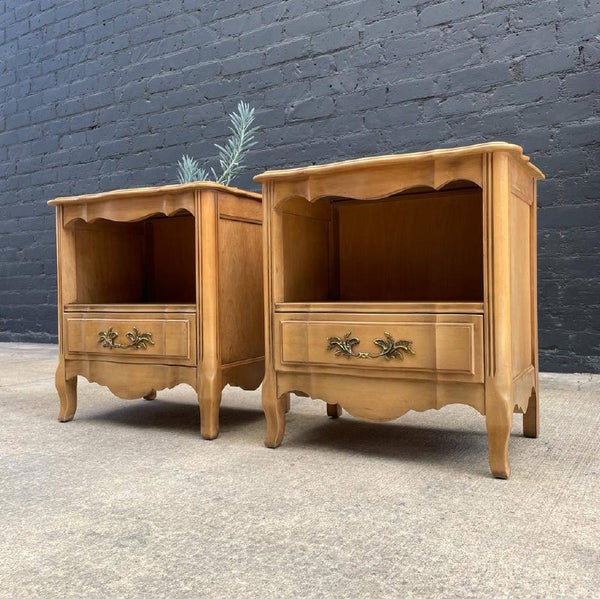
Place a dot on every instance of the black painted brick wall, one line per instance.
(97, 95)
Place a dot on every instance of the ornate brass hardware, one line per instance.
(137, 340)
(344, 346)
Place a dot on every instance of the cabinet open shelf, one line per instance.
(141, 308)
(382, 307)
(422, 247)
(150, 261)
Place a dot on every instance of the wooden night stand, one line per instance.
(160, 286)
(404, 282)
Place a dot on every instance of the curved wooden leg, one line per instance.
(209, 399)
(151, 395)
(498, 420)
(531, 418)
(67, 394)
(334, 410)
(274, 408)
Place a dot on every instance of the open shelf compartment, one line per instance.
(149, 262)
(423, 247)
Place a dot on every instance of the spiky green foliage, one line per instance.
(189, 169)
(231, 155)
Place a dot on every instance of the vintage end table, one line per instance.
(404, 282)
(160, 286)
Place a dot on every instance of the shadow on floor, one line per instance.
(172, 415)
(462, 449)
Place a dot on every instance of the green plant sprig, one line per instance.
(189, 169)
(231, 154)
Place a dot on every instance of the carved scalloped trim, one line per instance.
(523, 387)
(121, 382)
(523, 403)
(402, 407)
(133, 392)
(178, 211)
(392, 192)
(127, 213)
(245, 376)
(393, 397)
(375, 181)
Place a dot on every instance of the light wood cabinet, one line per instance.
(160, 286)
(404, 282)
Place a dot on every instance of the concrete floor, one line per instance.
(128, 501)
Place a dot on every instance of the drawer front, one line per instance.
(441, 346)
(154, 338)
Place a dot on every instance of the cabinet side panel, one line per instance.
(241, 321)
(239, 208)
(66, 263)
(306, 258)
(172, 260)
(522, 277)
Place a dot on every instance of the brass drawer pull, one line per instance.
(137, 340)
(344, 346)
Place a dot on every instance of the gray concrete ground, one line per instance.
(128, 501)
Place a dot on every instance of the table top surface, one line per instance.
(393, 159)
(145, 192)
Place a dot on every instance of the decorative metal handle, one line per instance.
(137, 340)
(344, 346)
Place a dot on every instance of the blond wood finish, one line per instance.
(173, 337)
(382, 307)
(130, 262)
(453, 168)
(451, 346)
(129, 381)
(240, 283)
(181, 262)
(378, 399)
(118, 210)
(443, 241)
(436, 252)
(133, 308)
(307, 257)
(432, 242)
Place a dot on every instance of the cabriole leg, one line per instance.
(334, 410)
(67, 394)
(209, 399)
(498, 421)
(531, 418)
(274, 408)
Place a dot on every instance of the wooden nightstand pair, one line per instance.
(392, 283)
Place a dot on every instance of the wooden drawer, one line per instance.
(158, 338)
(445, 346)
